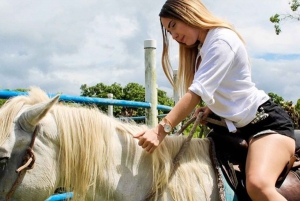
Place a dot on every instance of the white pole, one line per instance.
(150, 82)
(175, 92)
(110, 108)
(176, 95)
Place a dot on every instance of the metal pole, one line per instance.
(150, 82)
(110, 108)
(175, 92)
(176, 95)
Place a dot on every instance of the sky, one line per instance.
(61, 45)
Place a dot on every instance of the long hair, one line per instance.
(194, 14)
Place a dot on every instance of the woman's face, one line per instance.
(180, 31)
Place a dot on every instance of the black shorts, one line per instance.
(274, 120)
(277, 121)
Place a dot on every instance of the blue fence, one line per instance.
(60, 197)
(4, 94)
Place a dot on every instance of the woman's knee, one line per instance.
(258, 185)
(255, 183)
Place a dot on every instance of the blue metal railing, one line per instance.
(4, 94)
(60, 197)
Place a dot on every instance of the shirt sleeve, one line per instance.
(215, 64)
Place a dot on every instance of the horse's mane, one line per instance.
(87, 149)
(87, 146)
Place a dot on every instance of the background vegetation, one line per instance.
(294, 15)
(136, 92)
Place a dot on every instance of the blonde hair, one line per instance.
(194, 14)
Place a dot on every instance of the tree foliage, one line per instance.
(131, 92)
(101, 90)
(292, 110)
(2, 101)
(295, 15)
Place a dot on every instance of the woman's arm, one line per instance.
(183, 108)
(151, 138)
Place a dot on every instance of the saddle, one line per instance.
(231, 152)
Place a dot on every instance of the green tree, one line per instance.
(297, 106)
(292, 110)
(278, 18)
(2, 101)
(101, 90)
(201, 130)
(131, 92)
(163, 99)
(275, 98)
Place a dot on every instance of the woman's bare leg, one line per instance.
(267, 157)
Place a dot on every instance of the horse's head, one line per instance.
(19, 127)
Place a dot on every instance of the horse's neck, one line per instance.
(133, 171)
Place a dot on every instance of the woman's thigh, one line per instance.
(267, 157)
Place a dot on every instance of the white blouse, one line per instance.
(223, 79)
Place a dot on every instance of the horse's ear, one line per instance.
(31, 117)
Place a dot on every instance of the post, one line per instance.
(176, 95)
(150, 82)
(175, 92)
(110, 108)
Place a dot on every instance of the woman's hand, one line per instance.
(151, 138)
(206, 111)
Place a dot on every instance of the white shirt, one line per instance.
(223, 79)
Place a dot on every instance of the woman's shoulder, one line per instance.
(222, 34)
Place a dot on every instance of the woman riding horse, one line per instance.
(214, 67)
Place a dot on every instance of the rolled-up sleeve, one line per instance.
(216, 61)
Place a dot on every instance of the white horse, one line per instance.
(94, 156)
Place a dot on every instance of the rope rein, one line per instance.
(28, 162)
(183, 148)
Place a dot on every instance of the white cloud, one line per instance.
(60, 45)
(280, 77)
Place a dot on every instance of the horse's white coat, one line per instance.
(133, 173)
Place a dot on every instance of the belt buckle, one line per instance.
(260, 115)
